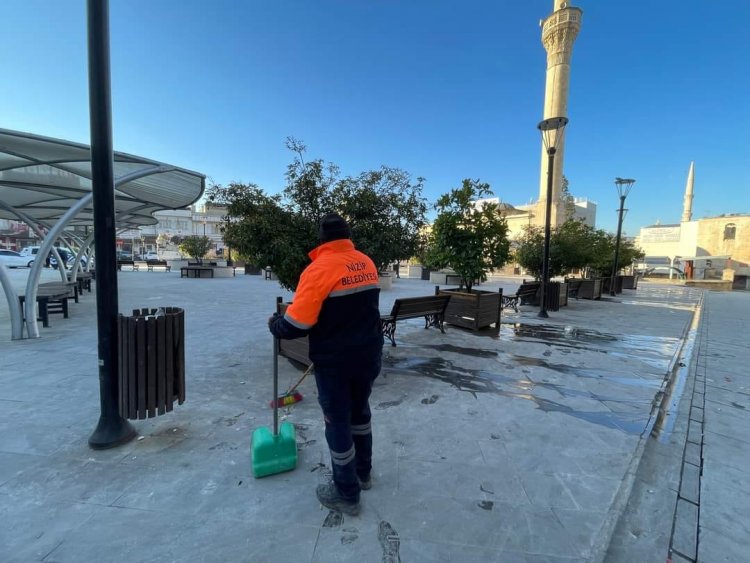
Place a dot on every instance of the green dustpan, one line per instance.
(274, 452)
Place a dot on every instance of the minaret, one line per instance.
(687, 202)
(559, 31)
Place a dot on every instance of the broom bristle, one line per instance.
(286, 400)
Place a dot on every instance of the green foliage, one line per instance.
(473, 240)
(573, 246)
(529, 251)
(384, 208)
(568, 201)
(195, 246)
(604, 254)
(385, 211)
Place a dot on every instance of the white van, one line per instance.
(30, 253)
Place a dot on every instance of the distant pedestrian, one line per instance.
(337, 305)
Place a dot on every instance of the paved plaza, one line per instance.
(614, 430)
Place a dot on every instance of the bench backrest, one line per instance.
(413, 307)
(528, 288)
(125, 262)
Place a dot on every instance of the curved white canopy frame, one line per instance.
(47, 182)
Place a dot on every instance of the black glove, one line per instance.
(272, 320)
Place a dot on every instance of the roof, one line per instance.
(43, 177)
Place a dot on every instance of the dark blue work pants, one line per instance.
(343, 394)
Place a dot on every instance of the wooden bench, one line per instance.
(526, 291)
(197, 271)
(159, 264)
(69, 286)
(431, 307)
(83, 279)
(51, 300)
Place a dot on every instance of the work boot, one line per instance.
(330, 497)
(365, 483)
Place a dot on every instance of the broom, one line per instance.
(291, 396)
(274, 451)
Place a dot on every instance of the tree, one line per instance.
(383, 207)
(529, 251)
(471, 239)
(568, 201)
(196, 246)
(385, 211)
(604, 254)
(573, 245)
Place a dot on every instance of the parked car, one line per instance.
(68, 256)
(150, 255)
(12, 259)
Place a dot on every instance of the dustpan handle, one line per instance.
(275, 386)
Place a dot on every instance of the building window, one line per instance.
(730, 230)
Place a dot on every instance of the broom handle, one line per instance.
(275, 386)
(301, 379)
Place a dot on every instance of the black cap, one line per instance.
(333, 227)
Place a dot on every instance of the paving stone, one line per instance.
(690, 484)
(696, 414)
(559, 416)
(685, 537)
(693, 453)
(695, 432)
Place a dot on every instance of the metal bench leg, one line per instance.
(43, 312)
(389, 331)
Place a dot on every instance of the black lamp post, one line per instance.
(624, 185)
(552, 131)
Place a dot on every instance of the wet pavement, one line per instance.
(517, 445)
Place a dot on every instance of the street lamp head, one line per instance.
(624, 185)
(552, 132)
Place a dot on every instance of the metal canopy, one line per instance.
(43, 177)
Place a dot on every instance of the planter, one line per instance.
(426, 273)
(556, 297)
(629, 282)
(606, 282)
(475, 310)
(415, 271)
(385, 280)
(220, 272)
(297, 349)
(444, 277)
(590, 289)
(251, 270)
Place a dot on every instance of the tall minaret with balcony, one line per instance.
(559, 31)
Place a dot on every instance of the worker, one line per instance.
(337, 305)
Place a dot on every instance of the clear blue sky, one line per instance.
(443, 89)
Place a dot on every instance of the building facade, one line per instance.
(710, 248)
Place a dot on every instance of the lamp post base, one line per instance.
(543, 315)
(111, 432)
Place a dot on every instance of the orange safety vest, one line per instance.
(337, 271)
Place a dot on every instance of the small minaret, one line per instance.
(559, 31)
(687, 203)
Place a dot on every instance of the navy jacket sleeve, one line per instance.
(281, 328)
